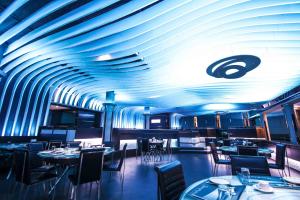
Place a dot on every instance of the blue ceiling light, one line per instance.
(232, 67)
(219, 107)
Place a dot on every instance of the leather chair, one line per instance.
(280, 159)
(36, 163)
(73, 144)
(117, 166)
(257, 165)
(217, 160)
(247, 150)
(24, 173)
(171, 181)
(88, 171)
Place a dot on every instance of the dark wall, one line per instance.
(74, 118)
(187, 122)
(207, 121)
(231, 120)
(278, 128)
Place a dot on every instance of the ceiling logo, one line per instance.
(233, 67)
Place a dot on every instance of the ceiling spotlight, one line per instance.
(104, 57)
(155, 96)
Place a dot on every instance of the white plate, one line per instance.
(293, 180)
(219, 181)
(266, 190)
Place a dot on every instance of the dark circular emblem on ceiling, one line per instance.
(233, 67)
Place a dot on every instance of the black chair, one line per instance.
(146, 153)
(117, 166)
(217, 160)
(280, 159)
(226, 142)
(168, 149)
(36, 163)
(54, 144)
(23, 171)
(257, 165)
(247, 150)
(170, 180)
(88, 171)
(73, 144)
(138, 150)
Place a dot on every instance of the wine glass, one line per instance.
(245, 173)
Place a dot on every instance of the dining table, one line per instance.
(233, 150)
(206, 189)
(67, 157)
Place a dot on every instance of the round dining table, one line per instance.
(233, 150)
(67, 157)
(249, 193)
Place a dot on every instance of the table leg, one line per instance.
(59, 178)
(9, 173)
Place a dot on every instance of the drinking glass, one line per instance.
(245, 173)
(224, 192)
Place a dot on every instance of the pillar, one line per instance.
(147, 117)
(288, 111)
(266, 125)
(108, 113)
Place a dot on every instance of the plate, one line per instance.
(292, 180)
(266, 190)
(219, 181)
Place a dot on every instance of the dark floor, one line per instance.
(139, 184)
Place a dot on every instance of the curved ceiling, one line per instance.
(152, 53)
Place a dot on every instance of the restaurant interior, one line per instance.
(150, 99)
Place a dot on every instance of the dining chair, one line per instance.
(280, 159)
(247, 150)
(24, 173)
(138, 150)
(36, 163)
(118, 166)
(146, 153)
(168, 149)
(73, 144)
(54, 144)
(89, 171)
(257, 165)
(217, 160)
(170, 181)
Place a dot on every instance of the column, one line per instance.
(108, 112)
(288, 111)
(147, 117)
(266, 125)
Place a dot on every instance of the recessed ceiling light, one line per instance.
(155, 96)
(104, 57)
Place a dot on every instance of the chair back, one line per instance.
(145, 145)
(139, 144)
(226, 142)
(168, 145)
(280, 155)
(257, 165)
(214, 152)
(123, 157)
(22, 166)
(54, 144)
(171, 181)
(35, 160)
(74, 144)
(90, 166)
(247, 150)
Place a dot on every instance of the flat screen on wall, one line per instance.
(155, 121)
